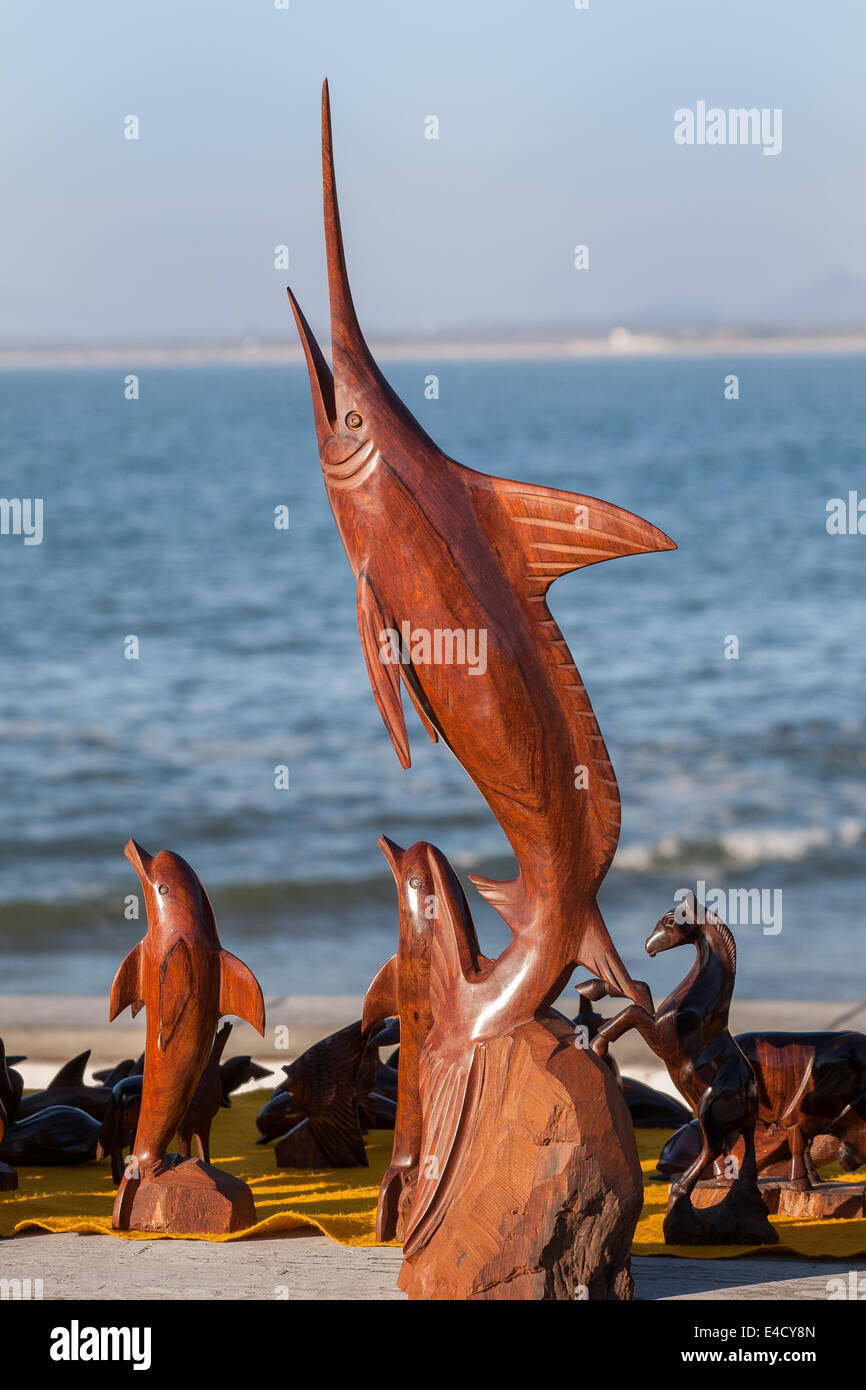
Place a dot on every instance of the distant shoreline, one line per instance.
(619, 344)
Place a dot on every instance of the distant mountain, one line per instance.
(835, 301)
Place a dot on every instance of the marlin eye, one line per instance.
(354, 420)
(414, 881)
(163, 888)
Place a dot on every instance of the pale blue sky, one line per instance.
(556, 127)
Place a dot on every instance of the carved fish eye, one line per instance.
(163, 888)
(354, 420)
(414, 881)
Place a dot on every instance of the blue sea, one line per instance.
(743, 774)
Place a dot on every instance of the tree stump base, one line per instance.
(544, 1201)
(191, 1198)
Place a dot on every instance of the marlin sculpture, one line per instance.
(441, 550)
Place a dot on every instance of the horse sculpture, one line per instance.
(689, 1032)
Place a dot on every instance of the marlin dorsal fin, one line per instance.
(71, 1073)
(240, 992)
(548, 532)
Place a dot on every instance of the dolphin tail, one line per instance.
(240, 992)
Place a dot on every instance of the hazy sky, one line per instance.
(556, 128)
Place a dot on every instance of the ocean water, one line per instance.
(158, 522)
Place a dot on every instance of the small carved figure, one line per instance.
(689, 1032)
(184, 978)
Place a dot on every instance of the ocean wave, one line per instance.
(756, 845)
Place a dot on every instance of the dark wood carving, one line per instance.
(236, 1072)
(109, 1076)
(811, 1111)
(120, 1122)
(648, 1108)
(689, 1032)
(8, 1176)
(453, 568)
(185, 980)
(69, 1087)
(55, 1135)
(318, 1114)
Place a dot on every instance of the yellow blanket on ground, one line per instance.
(341, 1202)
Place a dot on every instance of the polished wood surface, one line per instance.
(444, 549)
(402, 989)
(689, 1032)
(811, 1111)
(485, 1215)
(185, 980)
(449, 564)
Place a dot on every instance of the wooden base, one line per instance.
(8, 1178)
(719, 1214)
(191, 1198)
(546, 1195)
(826, 1201)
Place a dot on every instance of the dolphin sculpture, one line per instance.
(186, 981)
(442, 552)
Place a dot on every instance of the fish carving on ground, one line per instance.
(451, 563)
(186, 981)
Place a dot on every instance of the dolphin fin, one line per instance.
(384, 677)
(380, 1000)
(71, 1073)
(240, 992)
(126, 989)
(549, 532)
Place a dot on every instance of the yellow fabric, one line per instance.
(839, 1238)
(341, 1202)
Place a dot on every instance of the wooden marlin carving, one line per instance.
(520, 1176)
(186, 981)
(444, 553)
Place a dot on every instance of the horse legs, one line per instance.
(799, 1178)
(632, 1017)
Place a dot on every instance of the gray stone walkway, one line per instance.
(305, 1266)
